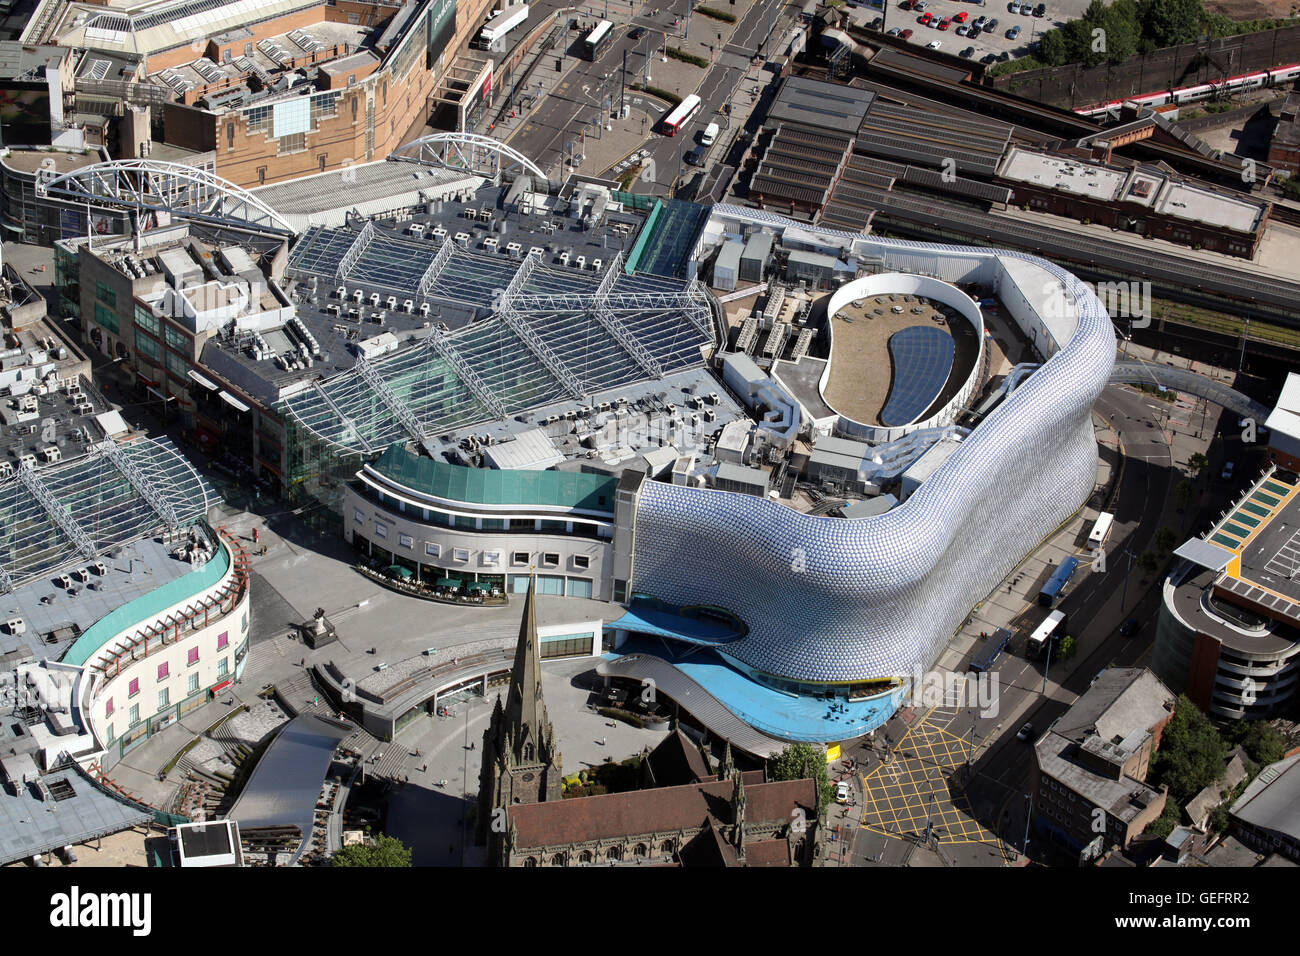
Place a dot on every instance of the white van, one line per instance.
(709, 135)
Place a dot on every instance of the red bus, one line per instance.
(681, 115)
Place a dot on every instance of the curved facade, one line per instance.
(830, 600)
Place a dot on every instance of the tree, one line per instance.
(1261, 741)
(382, 850)
(798, 761)
(1197, 464)
(1170, 22)
(1183, 492)
(1164, 540)
(1067, 647)
(1147, 562)
(1191, 754)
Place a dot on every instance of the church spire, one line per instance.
(527, 726)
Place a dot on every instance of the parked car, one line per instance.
(637, 33)
(991, 25)
(1040, 10)
(906, 34)
(1026, 9)
(842, 792)
(967, 53)
(1004, 56)
(933, 45)
(1013, 6)
(989, 58)
(920, 5)
(1227, 469)
(1013, 32)
(979, 22)
(893, 32)
(1130, 627)
(1025, 732)
(963, 30)
(960, 17)
(905, 5)
(877, 23)
(924, 19)
(945, 23)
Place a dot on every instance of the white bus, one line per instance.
(1038, 639)
(596, 42)
(1100, 530)
(681, 115)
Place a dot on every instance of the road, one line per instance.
(555, 128)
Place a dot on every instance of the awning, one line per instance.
(218, 688)
(206, 383)
(448, 583)
(480, 586)
(400, 571)
(234, 402)
(1201, 552)
(159, 395)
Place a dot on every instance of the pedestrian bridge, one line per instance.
(1137, 372)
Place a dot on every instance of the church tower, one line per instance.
(520, 761)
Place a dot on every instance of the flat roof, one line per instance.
(1263, 531)
(1272, 801)
(822, 105)
(74, 811)
(1285, 417)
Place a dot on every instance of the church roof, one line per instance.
(663, 809)
(677, 760)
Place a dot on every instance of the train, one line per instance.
(1202, 91)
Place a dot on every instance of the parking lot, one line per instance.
(993, 43)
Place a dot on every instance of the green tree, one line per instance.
(1261, 741)
(1191, 754)
(1147, 562)
(798, 761)
(1053, 49)
(382, 850)
(1183, 492)
(1197, 464)
(1067, 647)
(1170, 22)
(1164, 540)
(1164, 824)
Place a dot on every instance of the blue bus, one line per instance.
(1052, 589)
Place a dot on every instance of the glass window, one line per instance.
(553, 527)
(550, 584)
(523, 524)
(193, 656)
(461, 554)
(581, 561)
(147, 346)
(164, 698)
(146, 320)
(108, 707)
(133, 717)
(223, 667)
(492, 557)
(133, 688)
(177, 365)
(111, 735)
(494, 524)
(106, 318)
(381, 530)
(177, 339)
(106, 293)
(519, 558)
(406, 541)
(358, 516)
(467, 522)
(193, 684)
(551, 557)
(163, 670)
(433, 550)
(223, 639)
(580, 587)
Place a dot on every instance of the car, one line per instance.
(709, 134)
(967, 53)
(1013, 6)
(637, 33)
(945, 23)
(1227, 469)
(877, 23)
(920, 5)
(842, 792)
(933, 45)
(1004, 56)
(960, 17)
(1026, 9)
(893, 32)
(979, 22)
(905, 5)
(906, 35)
(962, 30)
(695, 157)
(989, 58)
(1040, 10)
(1025, 732)
(1130, 627)
(924, 19)
(991, 25)
(1013, 32)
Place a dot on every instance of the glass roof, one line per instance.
(922, 356)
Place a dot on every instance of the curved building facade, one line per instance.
(830, 600)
